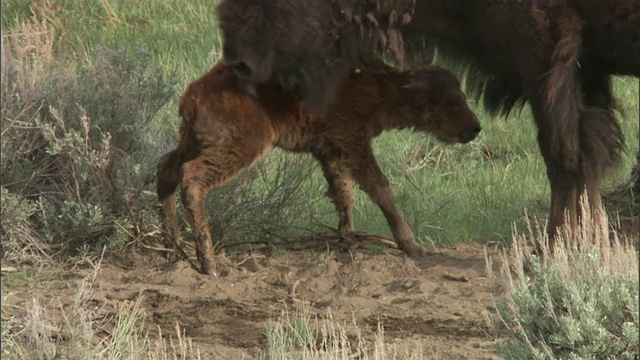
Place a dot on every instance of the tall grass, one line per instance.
(303, 336)
(48, 329)
(52, 331)
(181, 35)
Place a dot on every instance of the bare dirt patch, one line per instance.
(439, 303)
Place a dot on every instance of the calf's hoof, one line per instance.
(207, 268)
(413, 250)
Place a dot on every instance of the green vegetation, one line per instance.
(75, 164)
(306, 337)
(182, 36)
(582, 303)
(89, 92)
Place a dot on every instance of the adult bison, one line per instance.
(557, 55)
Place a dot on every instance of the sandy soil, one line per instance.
(439, 303)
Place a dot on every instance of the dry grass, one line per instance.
(181, 348)
(579, 302)
(45, 329)
(27, 51)
(303, 336)
(612, 255)
(27, 54)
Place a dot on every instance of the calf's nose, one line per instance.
(469, 135)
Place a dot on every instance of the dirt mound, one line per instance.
(439, 303)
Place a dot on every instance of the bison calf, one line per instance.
(228, 126)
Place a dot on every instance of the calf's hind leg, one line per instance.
(366, 172)
(211, 169)
(340, 190)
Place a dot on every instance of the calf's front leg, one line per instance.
(365, 171)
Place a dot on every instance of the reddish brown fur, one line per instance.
(224, 130)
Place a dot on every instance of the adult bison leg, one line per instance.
(557, 120)
(579, 139)
(366, 172)
(555, 104)
(552, 82)
(564, 197)
(635, 172)
(340, 190)
(601, 139)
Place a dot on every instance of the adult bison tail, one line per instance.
(583, 139)
(601, 140)
(563, 97)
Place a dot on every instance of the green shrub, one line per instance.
(20, 242)
(270, 201)
(76, 142)
(581, 304)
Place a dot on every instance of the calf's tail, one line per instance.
(167, 180)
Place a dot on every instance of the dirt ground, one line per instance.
(439, 303)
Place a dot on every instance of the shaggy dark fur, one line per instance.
(308, 45)
(558, 55)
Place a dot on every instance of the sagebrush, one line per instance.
(581, 302)
(76, 155)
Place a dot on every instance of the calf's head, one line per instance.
(439, 106)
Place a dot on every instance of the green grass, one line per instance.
(446, 193)
(301, 335)
(181, 34)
